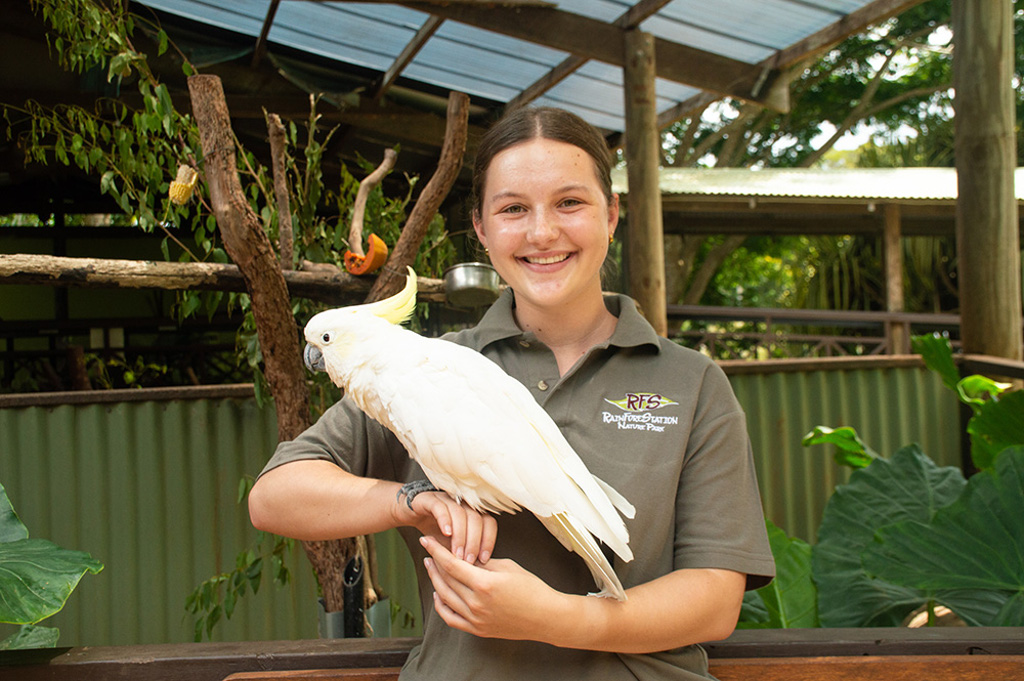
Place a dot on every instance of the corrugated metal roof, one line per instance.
(910, 184)
(486, 64)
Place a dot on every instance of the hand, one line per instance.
(498, 599)
(468, 534)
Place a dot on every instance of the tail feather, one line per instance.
(577, 539)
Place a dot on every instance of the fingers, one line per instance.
(471, 534)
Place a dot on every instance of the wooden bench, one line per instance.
(937, 654)
(872, 668)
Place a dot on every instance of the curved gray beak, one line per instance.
(314, 358)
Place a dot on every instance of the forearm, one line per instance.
(316, 500)
(681, 608)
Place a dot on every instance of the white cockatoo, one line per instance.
(476, 432)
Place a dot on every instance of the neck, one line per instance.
(570, 332)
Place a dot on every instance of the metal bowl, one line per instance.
(471, 284)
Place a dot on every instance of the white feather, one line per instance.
(477, 433)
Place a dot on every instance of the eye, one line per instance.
(326, 338)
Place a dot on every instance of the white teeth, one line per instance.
(547, 261)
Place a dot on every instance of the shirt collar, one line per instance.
(632, 330)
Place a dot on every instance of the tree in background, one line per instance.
(892, 82)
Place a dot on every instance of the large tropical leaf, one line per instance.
(996, 425)
(31, 636)
(908, 486)
(11, 527)
(938, 356)
(976, 543)
(36, 578)
(850, 449)
(790, 600)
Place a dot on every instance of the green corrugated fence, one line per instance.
(149, 487)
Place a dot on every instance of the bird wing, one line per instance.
(481, 436)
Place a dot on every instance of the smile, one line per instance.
(550, 260)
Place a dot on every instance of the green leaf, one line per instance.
(852, 451)
(11, 527)
(976, 390)
(790, 600)
(975, 543)
(36, 578)
(909, 486)
(938, 356)
(30, 636)
(996, 425)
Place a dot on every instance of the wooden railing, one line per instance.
(766, 333)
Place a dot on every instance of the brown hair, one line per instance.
(550, 123)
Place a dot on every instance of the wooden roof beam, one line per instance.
(593, 39)
(631, 18)
(261, 43)
(425, 33)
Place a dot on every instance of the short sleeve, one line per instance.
(349, 438)
(719, 518)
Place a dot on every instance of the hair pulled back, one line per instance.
(523, 125)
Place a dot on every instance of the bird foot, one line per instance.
(411, 489)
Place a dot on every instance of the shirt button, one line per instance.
(543, 385)
(524, 343)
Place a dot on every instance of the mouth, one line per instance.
(546, 260)
(314, 358)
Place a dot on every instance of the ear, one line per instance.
(478, 227)
(613, 214)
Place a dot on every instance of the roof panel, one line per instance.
(908, 184)
(490, 65)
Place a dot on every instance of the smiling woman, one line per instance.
(502, 598)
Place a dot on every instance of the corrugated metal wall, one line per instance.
(890, 407)
(149, 488)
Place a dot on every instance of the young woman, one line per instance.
(502, 598)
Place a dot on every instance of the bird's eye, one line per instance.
(326, 338)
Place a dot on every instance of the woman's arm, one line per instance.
(316, 500)
(502, 600)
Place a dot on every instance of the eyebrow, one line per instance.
(512, 194)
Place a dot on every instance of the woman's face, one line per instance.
(546, 222)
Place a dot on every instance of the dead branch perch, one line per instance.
(286, 235)
(331, 286)
(355, 231)
(392, 277)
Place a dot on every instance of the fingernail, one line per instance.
(484, 556)
(427, 563)
(470, 558)
(423, 541)
(459, 552)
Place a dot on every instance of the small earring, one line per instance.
(487, 252)
(611, 239)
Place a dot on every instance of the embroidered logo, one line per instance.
(636, 412)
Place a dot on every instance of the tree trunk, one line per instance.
(987, 235)
(249, 247)
(645, 244)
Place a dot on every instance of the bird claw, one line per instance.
(411, 489)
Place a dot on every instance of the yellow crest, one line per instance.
(399, 307)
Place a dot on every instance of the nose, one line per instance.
(314, 358)
(543, 228)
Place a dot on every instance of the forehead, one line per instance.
(540, 162)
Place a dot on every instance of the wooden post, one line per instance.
(899, 338)
(988, 242)
(645, 239)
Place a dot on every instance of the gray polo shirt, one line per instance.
(657, 421)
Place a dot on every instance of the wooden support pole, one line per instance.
(645, 245)
(988, 241)
(899, 338)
